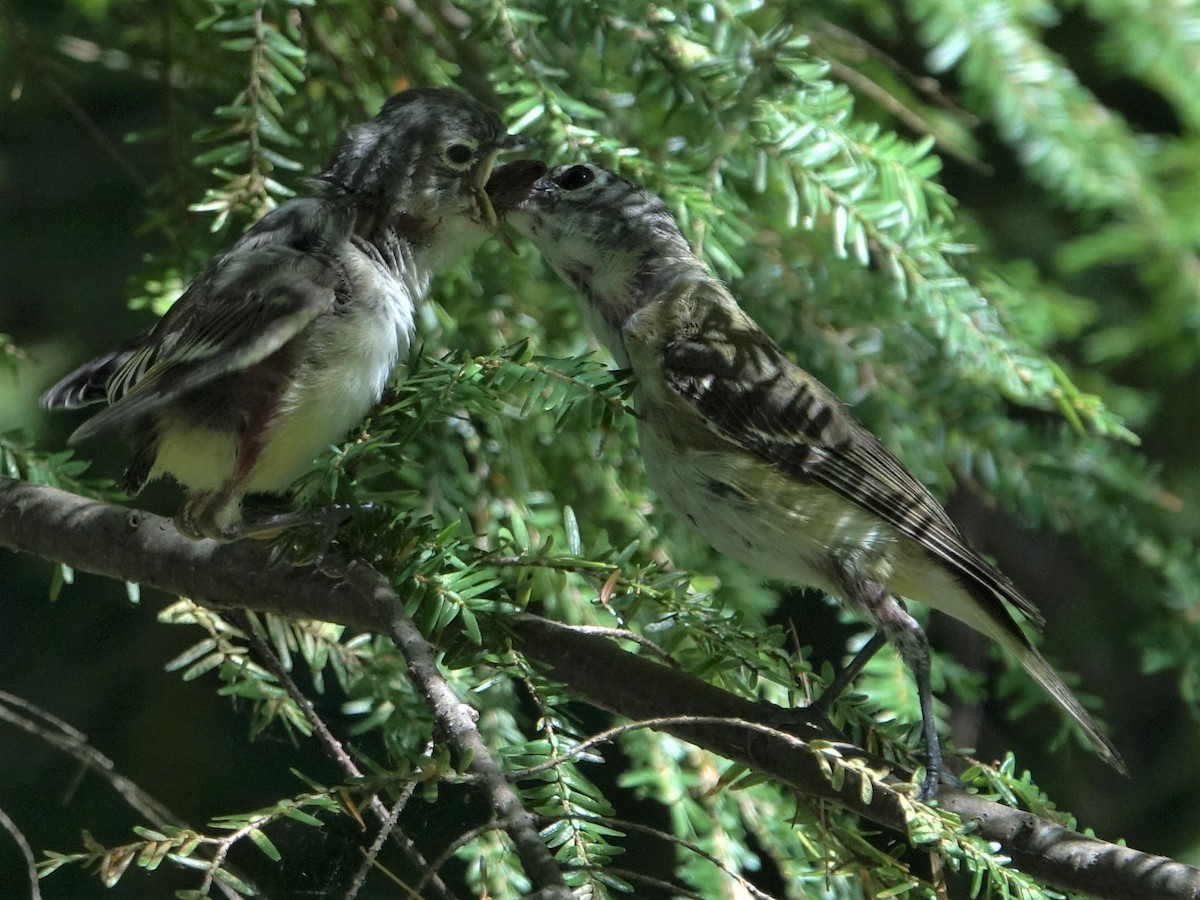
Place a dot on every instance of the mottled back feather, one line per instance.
(749, 392)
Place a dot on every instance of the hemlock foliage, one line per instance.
(949, 210)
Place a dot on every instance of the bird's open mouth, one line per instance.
(484, 195)
(506, 188)
(511, 183)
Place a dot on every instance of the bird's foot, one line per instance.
(316, 552)
(935, 777)
(198, 520)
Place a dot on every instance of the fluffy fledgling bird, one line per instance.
(755, 453)
(285, 341)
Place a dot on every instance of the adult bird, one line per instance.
(755, 453)
(286, 341)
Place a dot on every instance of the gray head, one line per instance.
(575, 211)
(425, 156)
(607, 237)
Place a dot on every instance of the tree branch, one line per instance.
(457, 720)
(144, 548)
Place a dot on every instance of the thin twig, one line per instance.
(74, 743)
(35, 62)
(564, 789)
(35, 891)
(660, 723)
(68, 739)
(457, 720)
(335, 751)
(458, 843)
(624, 634)
(329, 743)
(665, 887)
(372, 852)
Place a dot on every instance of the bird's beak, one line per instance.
(487, 212)
(509, 186)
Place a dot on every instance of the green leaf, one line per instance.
(301, 816)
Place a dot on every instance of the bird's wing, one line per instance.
(89, 383)
(237, 313)
(747, 391)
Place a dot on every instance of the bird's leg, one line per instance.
(270, 525)
(816, 714)
(210, 514)
(933, 744)
(218, 515)
(185, 520)
(328, 519)
(905, 633)
(822, 705)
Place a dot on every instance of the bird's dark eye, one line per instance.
(575, 178)
(460, 154)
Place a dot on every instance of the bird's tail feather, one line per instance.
(1043, 673)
